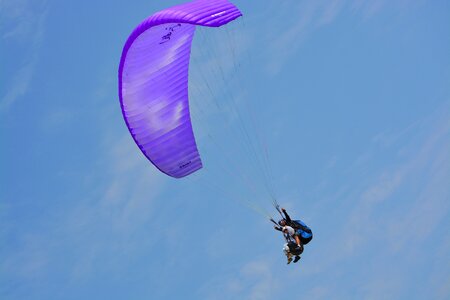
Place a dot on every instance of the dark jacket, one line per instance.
(300, 228)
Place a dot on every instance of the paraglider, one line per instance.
(296, 233)
(153, 82)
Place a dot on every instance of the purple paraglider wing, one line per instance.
(153, 82)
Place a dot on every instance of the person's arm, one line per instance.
(286, 216)
(278, 228)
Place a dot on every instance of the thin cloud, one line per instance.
(302, 18)
(331, 11)
(23, 28)
(390, 181)
(412, 217)
(19, 85)
(99, 225)
(253, 281)
(367, 8)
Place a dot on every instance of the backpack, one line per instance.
(297, 224)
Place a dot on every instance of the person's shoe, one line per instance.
(297, 258)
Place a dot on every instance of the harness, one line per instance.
(288, 238)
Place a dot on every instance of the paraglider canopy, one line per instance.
(153, 82)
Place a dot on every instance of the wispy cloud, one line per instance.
(367, 8)
(23, 31)
(19, 85)
(399, 209)
(120, 209)
(89, 228)
(301, 20)
(254, 281)
(433, 152)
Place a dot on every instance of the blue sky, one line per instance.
(351, 101)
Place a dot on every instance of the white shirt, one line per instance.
(289, 230)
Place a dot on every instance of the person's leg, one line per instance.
(287, 253)
(298, 249)
(289, 258)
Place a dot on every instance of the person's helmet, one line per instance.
(282, 222)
